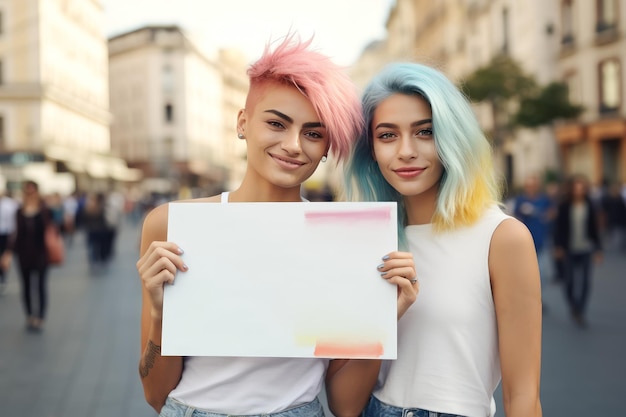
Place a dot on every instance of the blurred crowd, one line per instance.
(98, 215)
(36, 229)
(572, 224)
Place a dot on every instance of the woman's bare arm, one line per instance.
(157, 266)
(516, 291)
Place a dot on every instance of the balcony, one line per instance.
(606, 33)
(607, 111)
(568, 45)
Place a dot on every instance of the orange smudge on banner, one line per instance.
(347, 350)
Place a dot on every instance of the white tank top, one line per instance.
(448, 358)
(244, 385)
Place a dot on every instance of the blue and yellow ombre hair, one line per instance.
(468, 184)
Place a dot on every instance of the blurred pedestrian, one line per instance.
(577, 241)
(8, 208)
(70, 211)
(535, 209)
(614, 208)
(54, 202)
(114, 217)
(554, 192)
(28, 243)
(96, 229)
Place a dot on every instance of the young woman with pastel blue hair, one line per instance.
(478, 318)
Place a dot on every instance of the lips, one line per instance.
(287, 163)
(408, 172)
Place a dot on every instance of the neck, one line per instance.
(248, 192)
(419, 209)
(31, 201)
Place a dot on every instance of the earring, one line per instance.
(324, 158)
(240, 136)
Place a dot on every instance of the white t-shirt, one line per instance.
(240, 386)
(578, 226)
(448, 358)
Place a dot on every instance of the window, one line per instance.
(567, 22)
(610, 85)
(168, 79)
(607, 15)
(169, 113)
(573, 87)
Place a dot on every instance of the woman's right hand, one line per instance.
(158, 266)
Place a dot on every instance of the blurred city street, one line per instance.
(584, 370)
(84, 363)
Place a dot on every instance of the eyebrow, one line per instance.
(290, 120)
(414, 124)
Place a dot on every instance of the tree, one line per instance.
(499, 81)
(551, 103)
(516, 99)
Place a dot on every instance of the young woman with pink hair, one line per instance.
(300, 107)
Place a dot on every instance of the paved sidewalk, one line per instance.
(84, 363)
(583, 370)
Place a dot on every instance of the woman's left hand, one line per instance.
(398, 268)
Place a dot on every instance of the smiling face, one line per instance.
(404, 147)
(286, 139)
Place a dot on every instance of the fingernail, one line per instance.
(180, 251)
(185, 267)
(382, 274)
(380, 266)
(385, 257)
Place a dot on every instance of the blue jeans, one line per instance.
(578, 280)
(173, 408)
(377, 408)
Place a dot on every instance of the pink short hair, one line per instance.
(329, 89)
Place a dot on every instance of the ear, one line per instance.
(242, 119)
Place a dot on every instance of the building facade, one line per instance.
(525, 31)
(235, 84)
(170, 104)
(54, 95)
(460, 36)
(591, 60)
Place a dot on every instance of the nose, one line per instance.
(408, 147)
(291, 142)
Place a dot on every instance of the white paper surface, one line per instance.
(282, 280)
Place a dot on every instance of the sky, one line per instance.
(341, 28)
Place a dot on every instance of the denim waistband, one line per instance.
(377, 408)
(174, 408)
